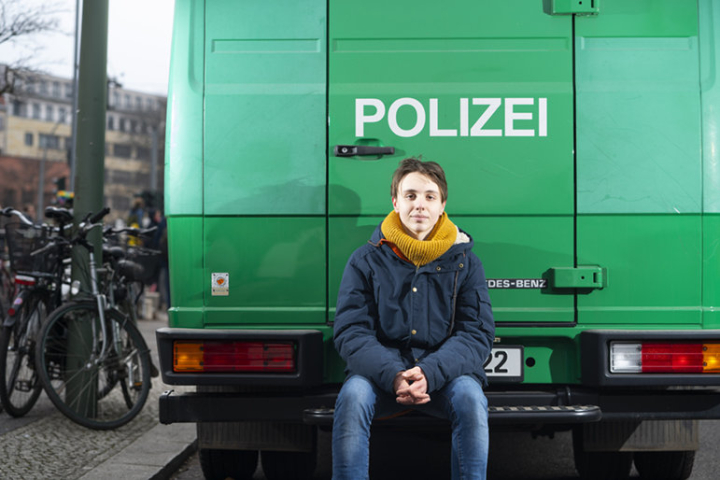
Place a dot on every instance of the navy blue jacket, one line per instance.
(392, 316)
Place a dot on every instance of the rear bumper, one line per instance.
(301, 397)
(567, 406)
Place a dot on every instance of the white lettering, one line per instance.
(372, 110)
(464, 121)
(361, 119)
(542, 117)
(511, 116)
(477, 129)
(434, 130)
(419, 122)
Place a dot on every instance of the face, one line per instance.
(418, 203)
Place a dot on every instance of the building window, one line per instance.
(128, 103)
(116, 99)
(49, 113)
(62, 115)
(31, 85)
(36, 111)
(68, 90)
(150, 104)
(133, 126)
(138, 103)
(43, 87)
(119, 176)
(56, 89)
(122, 151)
(121, 124)
(143, 153)
(49, 141)
(120, 202)
(29, 138)
(111, 122)
(19, 108)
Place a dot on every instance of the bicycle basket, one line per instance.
(148, 261)
(22, 240)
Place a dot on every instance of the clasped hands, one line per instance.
(411, 387)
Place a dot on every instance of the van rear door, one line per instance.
(485, 89)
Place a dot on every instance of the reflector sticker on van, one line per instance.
(523, 283)
(220, 284)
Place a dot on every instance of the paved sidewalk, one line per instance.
(45, 444)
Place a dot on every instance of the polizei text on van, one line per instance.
(473, 115)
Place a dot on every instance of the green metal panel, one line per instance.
(638, 109)
(653, 269)
(711, 271)
(184, 139)
(639, 166)
(265, 113)
(276, 269)
(709, 21)
(186, 258)
(524, 247)
(433, 58)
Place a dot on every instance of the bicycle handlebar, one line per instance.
(132, 231)
(10, 211)
(99, 215)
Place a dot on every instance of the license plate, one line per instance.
(505, 364)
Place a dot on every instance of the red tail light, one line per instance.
(17, 303)
(672, 357)
(665, 357)
(237, 356)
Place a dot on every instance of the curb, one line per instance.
(156, 455)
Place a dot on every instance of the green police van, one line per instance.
(580, 141)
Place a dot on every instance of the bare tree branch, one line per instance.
(19, 21)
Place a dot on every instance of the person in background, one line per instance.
(135, 220)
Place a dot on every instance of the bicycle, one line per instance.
(91, 359)
(38, 289)
(7, 282)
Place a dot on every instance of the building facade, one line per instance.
(36, 143)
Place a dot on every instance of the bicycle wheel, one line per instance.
(99, 392)
(19, 385)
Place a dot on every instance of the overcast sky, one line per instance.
(139, 34)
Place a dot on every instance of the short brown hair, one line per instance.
(430, 169)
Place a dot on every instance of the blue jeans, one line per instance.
(462, 401)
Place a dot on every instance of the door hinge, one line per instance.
(587, 276)
(574, 7)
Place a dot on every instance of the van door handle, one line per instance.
(360, 150)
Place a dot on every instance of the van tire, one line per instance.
(220, 464)
(288, 465)
(600, 465)
(665, 465)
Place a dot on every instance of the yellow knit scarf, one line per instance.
(420, 252)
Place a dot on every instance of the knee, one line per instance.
(469, 402)
(356, 400)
